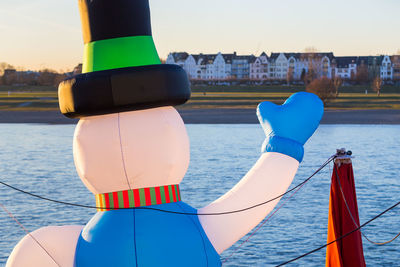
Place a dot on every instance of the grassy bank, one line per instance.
(389, 89)
(29, 100)
(250, 100)
(237, 97)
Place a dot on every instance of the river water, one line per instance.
(38, 158)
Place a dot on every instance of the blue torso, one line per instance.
(139, 237)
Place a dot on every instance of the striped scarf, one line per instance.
(138, 197)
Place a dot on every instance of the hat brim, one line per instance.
(125, 89)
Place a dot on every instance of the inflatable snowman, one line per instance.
(131, 150)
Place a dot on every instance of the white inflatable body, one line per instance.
(150, 148)
(269, 178)
(49, 246)
(138, 149)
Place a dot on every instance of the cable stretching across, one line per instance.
(354, 221)
(28, 233)
(176, 212)
(343, 236)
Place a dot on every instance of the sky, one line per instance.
(35, 34)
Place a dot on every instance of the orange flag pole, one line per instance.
(343, 217)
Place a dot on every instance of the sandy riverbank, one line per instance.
(219, 116)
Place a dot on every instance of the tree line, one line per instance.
(9, 75)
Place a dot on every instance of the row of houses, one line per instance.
(285, 66)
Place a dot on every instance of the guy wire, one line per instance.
(28, 233)
(352, 218)
(175, 212)
(340, 238)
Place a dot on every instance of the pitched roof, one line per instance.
(250, 59)
(395, 59)
(344, 62)
(303, 56)
(228, 58)
(274, 56)
(204, 59)
(317, 55)
(370, 60)
(363, 60)
(180, 56)
(196, 58)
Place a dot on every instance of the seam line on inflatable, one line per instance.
(28, 233)
(122, 152)
(134, 236)
(198, 230)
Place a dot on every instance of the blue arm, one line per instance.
(289, 126)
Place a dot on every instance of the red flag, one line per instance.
(347, 252)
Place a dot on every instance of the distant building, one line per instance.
(373, 65)
(287, 67)
(241, 66)
(221, 68)
(204, 66)
(320, 63)
(177, 58)
(259, 68)
(8, 72)
(291, 66)
(77, 69)
(345, 67)
(190, 66)
(213, 65)
(395, 67)
(19, 78)
(386, 70)
(10, 77)
(278, 66)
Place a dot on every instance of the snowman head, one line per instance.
(130, 150)
(129, 135)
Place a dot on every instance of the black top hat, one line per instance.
(121, 67)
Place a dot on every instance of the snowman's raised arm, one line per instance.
(287, 127)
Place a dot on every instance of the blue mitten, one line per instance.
(289, 126)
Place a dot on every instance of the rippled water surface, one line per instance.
(38, 158)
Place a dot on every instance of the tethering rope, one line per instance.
(28, 233)
(209, 214)
(175, 212)
(340, 238)
(261, 225)
(352, 218)
(297, 188)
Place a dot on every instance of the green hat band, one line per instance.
(121, 68)
(119, 53)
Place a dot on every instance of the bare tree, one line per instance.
(290, 75)
(362, 74)
(377, 85)
(4, 66)
(311, 49)
(303, 75)
(337, 83)
(49, 77)
(9, 77)
(324, 88)
(314, 64)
